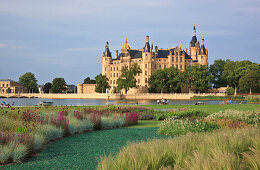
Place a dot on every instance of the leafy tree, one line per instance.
(89, 81)
(158, 82)
(230, 91)
(29, 81)
(166, 80)
(127, 78)
(233, 71)
(47, 87)
(102, 83)
(8, 90)
(216, 70)
(199, 77)
(58, 85)
(251, 81)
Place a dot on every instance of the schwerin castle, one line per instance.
(150, 58)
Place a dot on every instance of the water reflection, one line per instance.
(88, 102)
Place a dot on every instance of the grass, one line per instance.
(224, 149)
(209, 108)
(83, 151)
(218, 98)
(146, 124)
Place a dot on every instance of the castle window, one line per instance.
(145, 80)
(159, 65)
(113, 81)
(180, 67)
(172, 59)
(114, 74)
(176, 53)
(145, 72)
(180, 59)
(164, 66)
(145, 65)
(176, 65)
(155, 66)
(110, 81)
(3, 85)
(114, 68)
(176, 59)
(110, 68)
(105, 69)
(138, 80)
(111, 75)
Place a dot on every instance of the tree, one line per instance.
(102, 83)
(216, 70)
(29, 81)
(127, 78)
(230, 91)
(233, 71)
(176, 79)
(250, 82)
(89, 81)
(199, 77)
(8, 90)
(47, 87)
(58, 85)
(158, 82)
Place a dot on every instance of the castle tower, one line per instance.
(125, 47)
(147, 62)
(194, 46)
(106, 60)
(203, 54)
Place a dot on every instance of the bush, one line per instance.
(38, 141)
(224, 149)
(113, 121)
(181, 114)
(5, 153)
(174, 126)
(79, 125)
(131, 118)
(19, 153)
(230, 91)
(50, 132)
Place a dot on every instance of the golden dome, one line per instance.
(125, 46)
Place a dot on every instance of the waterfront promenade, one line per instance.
(150, 96)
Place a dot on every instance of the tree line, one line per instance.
(241, 75)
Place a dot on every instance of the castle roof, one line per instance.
(202, 49)
(193, 41)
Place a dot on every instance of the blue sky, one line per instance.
(66, 38)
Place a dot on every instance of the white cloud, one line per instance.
(3, 45)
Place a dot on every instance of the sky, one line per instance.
(66, 38)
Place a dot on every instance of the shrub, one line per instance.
(38, 141)
(5, 153)
(95, 119)
(50, 132)
(249, 117)
(174, 126)
(224, 149)
(131, 118)
(19, 152)
(113, 121)
(181, 114)
(230, 91)
(79, 125)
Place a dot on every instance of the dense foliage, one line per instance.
(216, 69)
(89, 81)
(29, 81)
(47, 87)
(58, 85)
(127, 78)
(102, 83)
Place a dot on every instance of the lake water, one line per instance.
(88, 102)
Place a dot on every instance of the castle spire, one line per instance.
(125, 39)
(147, 45)
(202, 40)
(107, 51)
(194, 31)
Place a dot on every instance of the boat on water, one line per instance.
(45, 103)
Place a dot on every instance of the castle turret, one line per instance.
(203, 54)
(194, 46)
(147, 45)
(106, 59)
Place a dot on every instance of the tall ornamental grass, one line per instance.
(224, 149)
(79, 126)
(173, 126)
(113, 121)
(249, 117)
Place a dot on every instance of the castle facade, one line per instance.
(150, 59)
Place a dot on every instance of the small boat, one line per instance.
(45, 103)
(199, 103)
